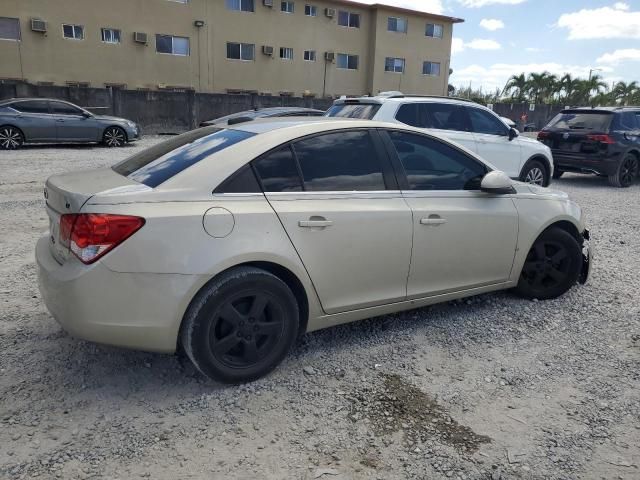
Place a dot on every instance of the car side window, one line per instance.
(32, 106)
(278, 171)
(627, 121)
(342, 161)
(444, 116)
(484, 122)
(62, 108)
(432, 165)
(412, 114)
(242, 181)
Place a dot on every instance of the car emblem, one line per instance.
(565, 136)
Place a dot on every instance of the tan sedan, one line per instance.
(233, 241)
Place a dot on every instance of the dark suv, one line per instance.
(604, 141)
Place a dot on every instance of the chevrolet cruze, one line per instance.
(229, 242)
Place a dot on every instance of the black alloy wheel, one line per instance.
(10, 138)
(627, 172)
(114, 137)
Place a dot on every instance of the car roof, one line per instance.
(401, 98)
(24, 99)
(601, 109)
(264, 125)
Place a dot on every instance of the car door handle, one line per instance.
(433, 220)
(315, 223)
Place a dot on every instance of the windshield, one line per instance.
(161, 162)
(592, 121)
(363, 111)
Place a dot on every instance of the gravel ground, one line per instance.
(489, 387)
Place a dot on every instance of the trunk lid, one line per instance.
(67, 193)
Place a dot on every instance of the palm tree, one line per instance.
(570, 87)
(516, 87)
(595, 84)
(624, 92)
(537, 84)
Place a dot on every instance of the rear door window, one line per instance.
(445, 116)
(32, 106)
(413, 114)
(580, 120)
(363, 111)
(62, 108)
(165, 160)
(626, 121)
(278, 171)
(342, 161)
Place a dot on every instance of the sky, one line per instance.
(500, 38)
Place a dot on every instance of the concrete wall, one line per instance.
(158, 111)
(49, 57)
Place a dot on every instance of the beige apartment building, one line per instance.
(297, 47)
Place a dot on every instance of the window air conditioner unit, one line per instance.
(330, 12)
(140, 37)
(267, 3)
(38, 25)
(267, 50)
(329, 56)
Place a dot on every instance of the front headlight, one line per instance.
(131, 124)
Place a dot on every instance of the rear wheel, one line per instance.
(627, 172)
(241, 326)
(552, 265)
(114, 137)
(535, 173)
(10, 138)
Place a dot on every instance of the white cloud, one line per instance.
(606, 22)
(491, 24)
(484, 3)
(430, 6)
(497, 75)
(458, 45)
(618, 56)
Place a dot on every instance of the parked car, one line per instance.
(604, 141)
(233, 241)
(44, 120)
(465, 122)
(265, 113)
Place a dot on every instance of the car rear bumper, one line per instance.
(142, 311)
(585, 163)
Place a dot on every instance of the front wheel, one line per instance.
(10, 138)
(552, 266)
(535, 173)
(627, 172)
(114, 137)
(241, 326)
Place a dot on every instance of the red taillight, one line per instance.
(90, 235)
(601, 139)
(543, 135)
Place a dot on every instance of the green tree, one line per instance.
(516, 87)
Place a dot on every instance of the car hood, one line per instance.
(548, 193)
(529, 140)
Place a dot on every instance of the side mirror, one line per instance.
(513, 133)
(86, 114)
(497, 183)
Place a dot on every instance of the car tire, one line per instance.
(626, 173)
(240, 326)
(11, 138)
(535, 172)
(557, 173)
(114, 137)
(552, 266)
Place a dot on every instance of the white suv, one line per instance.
(465, 122)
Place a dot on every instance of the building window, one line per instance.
(9, 28)
(310, 55)
(395, 24)
(172, 45)
(434, 30)
(287, 7)
(241, 51)
(395, 65)
(75, 32)
(241, 5)
(431, 68)
(286, 53)
(348, 19)
(346, 61)
(311, 10)
(110, 35)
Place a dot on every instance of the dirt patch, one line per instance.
(398, 405)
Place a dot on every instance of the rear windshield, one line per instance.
(596, 121)
(364, 111)
(161, 162)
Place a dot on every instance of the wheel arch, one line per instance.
(124, 130)
(16, 127)
(283, 273)
(546, 163)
